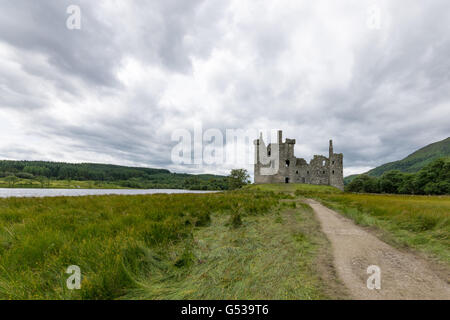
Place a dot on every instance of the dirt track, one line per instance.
(403, 275)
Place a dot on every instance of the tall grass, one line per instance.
(270, 256)
(418, 222)
(111, 238)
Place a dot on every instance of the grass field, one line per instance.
(261, 242)
(59, 184)
(247, 244)
(418, 222)
(296, 189)
(270, 256)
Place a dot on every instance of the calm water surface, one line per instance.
(16, 192)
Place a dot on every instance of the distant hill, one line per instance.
(412, 163)
(122, 176)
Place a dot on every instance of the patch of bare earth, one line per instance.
(403, 274)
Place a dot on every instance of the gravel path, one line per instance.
(403, 275)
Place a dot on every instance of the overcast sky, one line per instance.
(115, 90)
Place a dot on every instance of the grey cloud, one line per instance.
(94, 52)
(40, 27)
(395, 100)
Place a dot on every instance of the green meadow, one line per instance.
(260, 242)
(421, 223)
(245, 244)
(418, 222)
(61, 184)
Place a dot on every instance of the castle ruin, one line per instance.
(272, 166)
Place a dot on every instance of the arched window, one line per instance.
(287, 163)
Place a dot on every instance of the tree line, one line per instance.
(433, 179)
(122, 176)
(74, 171)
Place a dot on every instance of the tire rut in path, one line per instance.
(403, 275)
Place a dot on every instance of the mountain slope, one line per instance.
(412, 163)
(416, 160)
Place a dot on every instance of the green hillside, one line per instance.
(30, 174)
(412, 163)
(416, 160)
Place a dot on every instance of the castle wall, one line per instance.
(337, 171)
(320, 171)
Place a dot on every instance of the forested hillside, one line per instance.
(42, 173)
(416, 160)
(434, 178)
(412, 163)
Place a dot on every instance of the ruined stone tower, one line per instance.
(277, 163)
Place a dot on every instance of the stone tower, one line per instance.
(277, 163)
